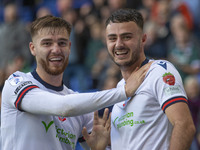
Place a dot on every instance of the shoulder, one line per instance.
(14, 85)
(163, 70)
(17, 77)
(161, 66)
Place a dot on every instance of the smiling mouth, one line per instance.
(121, 53)
(55, 59)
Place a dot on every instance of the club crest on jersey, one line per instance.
(169, 78)
(15, 79)
(62, 118)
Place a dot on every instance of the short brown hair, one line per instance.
(49, 21)
(126, 15)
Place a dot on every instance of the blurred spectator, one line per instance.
(102, 69)
(192, 89)
(135, 4)
(184, 10)
(63, 6)
(116, 4)
(75, 76)
(155, 47)
(161, 13)
(43, 11)
(14, 41)
(190, 8)
(97, 7)
(14, 38)
(95, 44)
(183, 47)
(148, 5)
(145, 14)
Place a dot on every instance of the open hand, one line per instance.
(100, 136)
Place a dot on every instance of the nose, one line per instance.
(56, 48)
(119, 42)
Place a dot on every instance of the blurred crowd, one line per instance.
(172, 28)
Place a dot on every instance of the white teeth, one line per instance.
(120, 52)
(55, 59)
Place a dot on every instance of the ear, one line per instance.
(144, 38)
(70, 46)
(32, 48)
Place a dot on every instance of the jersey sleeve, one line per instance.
(23, 94)
(15, 88)
(166, 84)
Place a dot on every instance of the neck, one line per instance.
(54, 80)
(126, 71)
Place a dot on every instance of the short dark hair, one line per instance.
(126, 15)
(49, 21)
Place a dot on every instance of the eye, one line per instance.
(127, 37)
(63, 43)
(112, 39)
(46, 44)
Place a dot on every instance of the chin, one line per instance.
(54, 71)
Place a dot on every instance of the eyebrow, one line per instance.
(60, 39)
(63, 39)
(126, 33)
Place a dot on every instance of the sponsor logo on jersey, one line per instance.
(21, 86)
(169, 78)
(64, 136)
(15, 79)
(47, 125)
(171, 90)
(127, 120)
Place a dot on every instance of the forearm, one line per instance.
(182, 136)
(40, 102)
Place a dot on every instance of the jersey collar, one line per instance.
(144, 62)
(37, 77)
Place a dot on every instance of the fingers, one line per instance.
(96, 118)
(147, 66)
(105, 115)
(136, 78)
(85, 133)
(143, 69)
(108, 123)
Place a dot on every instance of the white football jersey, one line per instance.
(26, 131)
(140, 122)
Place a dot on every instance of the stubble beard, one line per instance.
(133, 59)
(56, 71)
